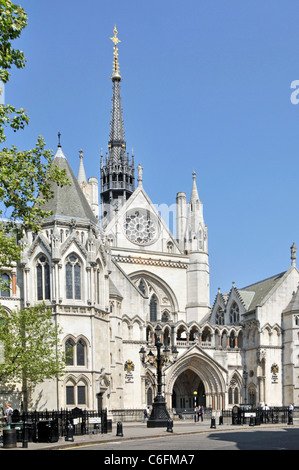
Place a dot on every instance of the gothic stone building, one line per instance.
(111, 270)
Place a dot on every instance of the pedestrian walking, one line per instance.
(202, 413)
(8, 415)
(144, 415)
(266, 410)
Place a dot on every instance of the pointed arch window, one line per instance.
(219, 318)
(73, 278)
(142, 287)
(76, 393)
(153, 308)
(236, 395)
(43, 278)
(81, 349)
(149, 396)
(75, 352)
(234, 314)
(5, 285)
(165, 316)
(69, 352)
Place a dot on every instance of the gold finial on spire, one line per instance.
(115, 40)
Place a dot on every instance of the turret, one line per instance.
(198, 273)
(181, 219)
(90, 188)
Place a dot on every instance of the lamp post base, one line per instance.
(159, 416)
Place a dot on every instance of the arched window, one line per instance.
(5, 285)
(206, 335)
(43, 278)
(75, 352)
(234, 315)
(76, 393)
(233, 395)
(236, 396)
(219, 318)
(165, 316)
(81, 353)
(81, 393)
(232, 340)
(69, 352)
(252, 395)
(73, 278)
(142, 287)
(153, 308)
(70, 393)
(149, 396)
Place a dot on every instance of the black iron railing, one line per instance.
(246, 414)
(82, 421)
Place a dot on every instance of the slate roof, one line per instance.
(69, 200)
(255, 294)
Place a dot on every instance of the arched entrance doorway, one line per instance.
(196, 371)
(183, 396)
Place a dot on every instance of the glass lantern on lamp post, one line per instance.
(159, 416)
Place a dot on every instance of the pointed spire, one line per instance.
(81, 173)
(68, 201)
(117, 142)
(195, 229)
(59, 152)
(117, 174)
(194, 193)
(115, 40)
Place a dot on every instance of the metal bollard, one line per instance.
(25, 436)
(69, 433)
(119, 429)
(251, 421)
(169, 425)
(290, 418)
(213, 423)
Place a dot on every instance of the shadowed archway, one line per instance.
(183, 396)
(196, 371)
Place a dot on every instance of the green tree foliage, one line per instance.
(28, 338)
(30, 348)
(13, 20)
(24, 175)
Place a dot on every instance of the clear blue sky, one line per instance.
(206, 87)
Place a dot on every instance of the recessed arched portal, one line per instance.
(196, 371)
(188, 391)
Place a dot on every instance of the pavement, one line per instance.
(137, 430)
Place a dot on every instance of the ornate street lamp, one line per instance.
(159, 416)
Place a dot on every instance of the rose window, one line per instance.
(140, 227)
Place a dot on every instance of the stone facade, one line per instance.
(112, 270)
